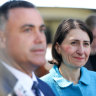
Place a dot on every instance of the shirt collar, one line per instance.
(58, 78)
(62, 82)
(85, 78)
(23, 78)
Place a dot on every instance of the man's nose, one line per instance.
(39, 36)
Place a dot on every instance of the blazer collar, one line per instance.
(62, 82)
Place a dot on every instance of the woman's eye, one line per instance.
(86, 44)
(73, 43)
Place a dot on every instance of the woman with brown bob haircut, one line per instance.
(70, 50)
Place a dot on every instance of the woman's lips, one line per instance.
(79, 58)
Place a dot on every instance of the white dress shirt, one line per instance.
(25, 82)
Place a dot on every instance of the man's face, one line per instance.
(25, 38)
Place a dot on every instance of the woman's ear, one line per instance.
(58, 49)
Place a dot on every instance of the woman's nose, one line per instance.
(80, 50)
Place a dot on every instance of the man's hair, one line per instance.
(91, 21)
(4, 9)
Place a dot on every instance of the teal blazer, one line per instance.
(61, 87)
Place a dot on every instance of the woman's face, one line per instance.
(75, 48)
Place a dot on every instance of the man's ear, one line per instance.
(57, 47)
(2, 39)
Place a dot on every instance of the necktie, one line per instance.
(36, 89)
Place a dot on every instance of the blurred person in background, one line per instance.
(22, 50)
(70, 50)
(91, 23)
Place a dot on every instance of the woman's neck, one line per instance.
(70, 73)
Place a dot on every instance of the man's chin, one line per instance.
(39, 63)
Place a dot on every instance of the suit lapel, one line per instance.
(7, 80)
(41, 86)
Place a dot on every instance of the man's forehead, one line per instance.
(21, 11)
(25, 16)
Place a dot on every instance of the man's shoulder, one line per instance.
(7, 80)
(45, 88)
(42, 83)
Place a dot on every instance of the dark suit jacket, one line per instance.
(91, 64)
(45, 88)
(8, 81)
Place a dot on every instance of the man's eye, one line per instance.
(27, 30)
(43, 30)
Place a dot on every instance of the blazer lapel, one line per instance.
(7, 80)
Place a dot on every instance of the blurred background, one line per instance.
(53, 12)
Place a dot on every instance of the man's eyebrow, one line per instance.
(43, 25)
(31, 25)
(27, 25)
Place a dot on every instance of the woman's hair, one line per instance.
(63, 29)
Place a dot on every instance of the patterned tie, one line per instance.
(36, 89)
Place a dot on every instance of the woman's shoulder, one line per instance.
(46, 77)
(89, 72)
